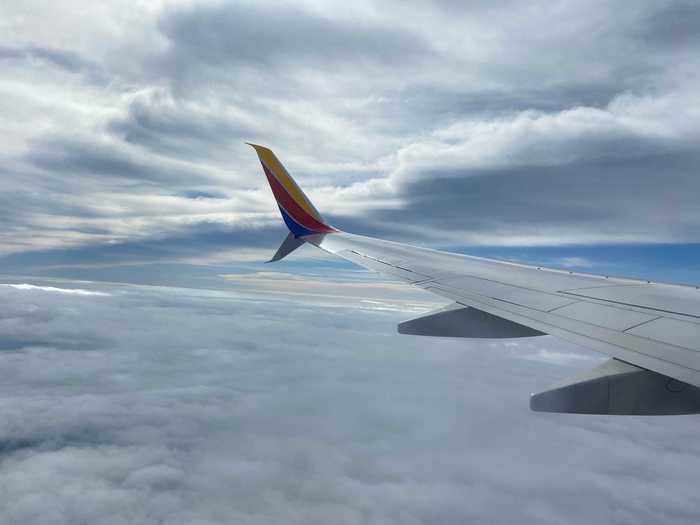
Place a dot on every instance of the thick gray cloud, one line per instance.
(191, 406)
(226, 34)
(564, 204)
(97, 160)
(674, 24)
(381, 111)
(156, 122)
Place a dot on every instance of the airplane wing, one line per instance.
(650, 330)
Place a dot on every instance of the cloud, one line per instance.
(554, 357)
(205, 406)
(575, 262)
(673, 24)
(104, 159)
(360, 289)
(76, 291)
(625, 129)
(64, 59)
(379, 112)
(228, 34)
(182, 129)
(191, 243)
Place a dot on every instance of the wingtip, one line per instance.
(258, 147)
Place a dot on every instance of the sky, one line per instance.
(503, 128)
(154, 370)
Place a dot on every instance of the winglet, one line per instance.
(298, 212)
(290, 243)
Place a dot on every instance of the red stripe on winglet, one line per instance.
(293, 209)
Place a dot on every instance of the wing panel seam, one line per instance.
(644, 322)
(634, 305)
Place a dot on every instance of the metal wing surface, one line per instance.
(655, 326)
(651, 330)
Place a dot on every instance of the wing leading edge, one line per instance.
(651, 330)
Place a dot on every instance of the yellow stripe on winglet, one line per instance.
(275, 166)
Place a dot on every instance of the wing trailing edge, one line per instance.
(457, 320)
